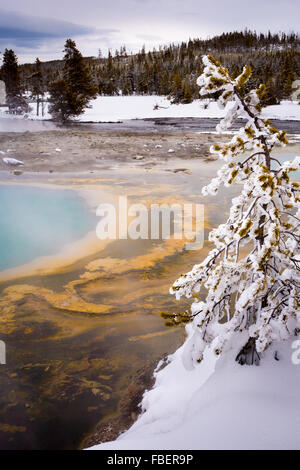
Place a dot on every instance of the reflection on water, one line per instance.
(75, 337)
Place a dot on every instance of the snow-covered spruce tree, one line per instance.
(252, 276)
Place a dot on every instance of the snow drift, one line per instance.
(220, 404)
(116, 108)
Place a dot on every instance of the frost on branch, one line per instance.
(252, 275)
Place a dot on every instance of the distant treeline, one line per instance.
(172, 70)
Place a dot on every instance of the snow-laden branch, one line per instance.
(252, 276)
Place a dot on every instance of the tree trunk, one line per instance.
(248, 354)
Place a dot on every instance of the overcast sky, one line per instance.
(38, 28)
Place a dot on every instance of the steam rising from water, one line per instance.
(14, 124)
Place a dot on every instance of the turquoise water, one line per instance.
(37, 222)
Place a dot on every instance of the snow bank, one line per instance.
(118, 108)
(115, 108)
(12, 161)
(289, 110)
(220, 405)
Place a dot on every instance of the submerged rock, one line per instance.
(139, 157)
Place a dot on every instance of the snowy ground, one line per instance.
(117, 108)
(233, 407)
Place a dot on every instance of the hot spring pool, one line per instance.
(37, 222)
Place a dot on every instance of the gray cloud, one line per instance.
(22, 31)
(19, 25)
(149, 37)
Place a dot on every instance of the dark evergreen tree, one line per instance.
(108, 78)
(270, 97)
(187, 94)
(11, 77)
(71, 94)
(287, 74)
(275, 59)
(37, 86)
(10, 72)
(177, 92)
